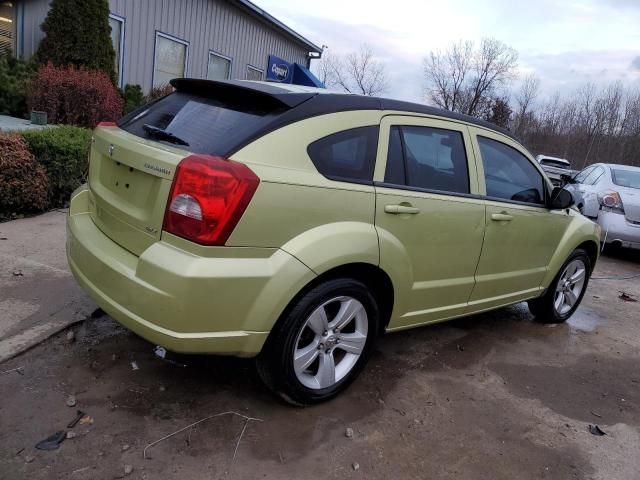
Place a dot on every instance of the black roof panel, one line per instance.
(309, 103)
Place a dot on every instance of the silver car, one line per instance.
(610, 195)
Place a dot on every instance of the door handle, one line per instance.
(401, 209)
(501, 217)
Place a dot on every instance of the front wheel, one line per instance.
(565, 292)
(321, 343)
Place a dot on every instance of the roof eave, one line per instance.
(268, 18)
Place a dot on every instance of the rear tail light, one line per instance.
(208, 197)
(611, 199)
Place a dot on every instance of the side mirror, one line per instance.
(560, 199)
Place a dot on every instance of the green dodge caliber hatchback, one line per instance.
(297, 225)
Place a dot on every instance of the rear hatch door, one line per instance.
(132, 165)
(129, 179)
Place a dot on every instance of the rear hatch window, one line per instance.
(556, 164)
(200, 124)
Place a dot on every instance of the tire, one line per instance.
(555, 305)
(346, 303)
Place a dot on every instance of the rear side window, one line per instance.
(349, 155)
(508, 174)
(197, 123)
(427, 158)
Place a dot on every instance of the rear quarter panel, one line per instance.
(322, 222)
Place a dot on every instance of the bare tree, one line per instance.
(464, 79)
(527, 93)
(524, 98)
(324, 69)
(447, 71)
(358, 72)
(591, 125)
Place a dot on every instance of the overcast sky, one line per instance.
(566, 42)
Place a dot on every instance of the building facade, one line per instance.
(156, 40)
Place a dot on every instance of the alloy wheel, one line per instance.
(331, 341)
(570, 285)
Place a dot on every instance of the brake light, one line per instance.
(611, 199)
(208, 197)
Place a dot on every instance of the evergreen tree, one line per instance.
(500, 113)
(77, 33)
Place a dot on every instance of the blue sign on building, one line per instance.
(279, 70)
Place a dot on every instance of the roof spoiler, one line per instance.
(265, 94)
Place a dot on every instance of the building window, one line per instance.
(7, 28)
(170, 59)
(254, 73)
(117, 38)
(219, 67)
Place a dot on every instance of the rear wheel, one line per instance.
(321, 343)
(565, 292)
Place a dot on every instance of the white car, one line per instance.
(557, 169)
(610, 195)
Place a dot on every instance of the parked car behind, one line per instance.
(610, 195)
(557, 169)
(296, 225)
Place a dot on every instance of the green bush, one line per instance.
(15, 74)
(23, 183)
(63, 152)
(133, 97)
(158, 92)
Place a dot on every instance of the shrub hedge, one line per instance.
(74, 96)
(23, 182)
(133, 97)
(63, 152)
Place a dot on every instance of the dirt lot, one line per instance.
(494, 396)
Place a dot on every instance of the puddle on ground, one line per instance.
(584, 319)
(593, 389)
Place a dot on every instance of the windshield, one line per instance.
(626, 178)
(555, 163)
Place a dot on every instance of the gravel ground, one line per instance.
(493, 396)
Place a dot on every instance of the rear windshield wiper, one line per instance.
(161, 134)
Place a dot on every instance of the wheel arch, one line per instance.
(590, 245)
(375, 278)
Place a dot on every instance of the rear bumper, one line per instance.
(223, 303)
(616, 229)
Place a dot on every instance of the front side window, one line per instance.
(508, 174)
(117, 35)
(219, 67)
(170, 60)
(253, 73)
(346, 156)
(427, 158)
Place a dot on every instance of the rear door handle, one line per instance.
(401, 209)
(501, 217)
